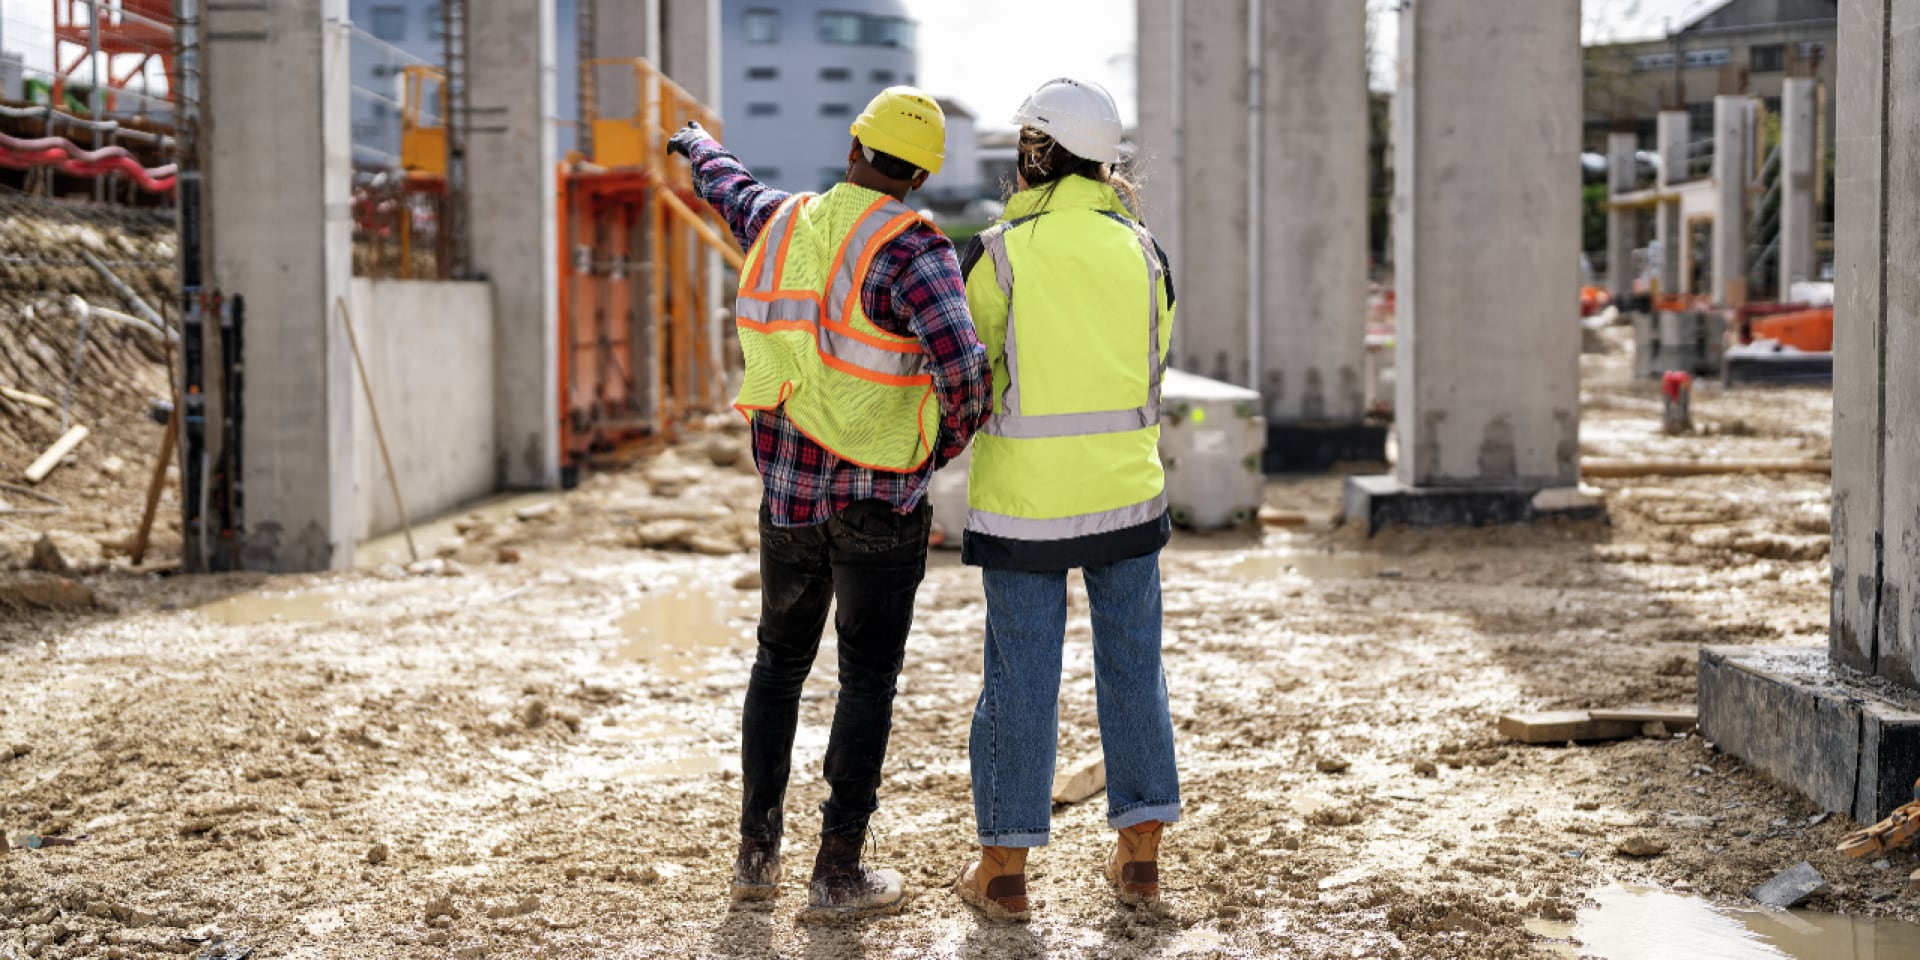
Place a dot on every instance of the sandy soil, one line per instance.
(536, 758)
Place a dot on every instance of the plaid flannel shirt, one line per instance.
(913, 288)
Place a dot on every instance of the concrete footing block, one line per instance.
(1382, 501)
(1318, 447)
(1849, 743)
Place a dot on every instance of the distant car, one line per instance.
(983, 210)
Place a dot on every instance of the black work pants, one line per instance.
(869, 561)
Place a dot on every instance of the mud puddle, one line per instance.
(1311, 566)
(679, 631)
(1638, 923)
(249, 609)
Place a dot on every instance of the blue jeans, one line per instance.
(1016, 723)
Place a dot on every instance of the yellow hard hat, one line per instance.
(906, 123)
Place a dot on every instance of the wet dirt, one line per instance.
(534, 752)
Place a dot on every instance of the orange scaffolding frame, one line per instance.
(640, 343)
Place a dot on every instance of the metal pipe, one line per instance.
(1176, 217)
(1255, 289)
(95, 101)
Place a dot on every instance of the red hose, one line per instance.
(74, 160)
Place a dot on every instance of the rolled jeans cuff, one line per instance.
(1018, 838)
(1139, 813)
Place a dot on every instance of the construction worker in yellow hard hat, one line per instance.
(863, 376)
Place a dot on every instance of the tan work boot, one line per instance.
(1134, 867)
(996, 884)
(844, 889)
(756, 870)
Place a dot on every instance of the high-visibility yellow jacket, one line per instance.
(1074, 304)
(855, 389)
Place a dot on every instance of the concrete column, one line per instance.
(690, 46)
(278, 171)
(1213, 187)
(1671, 128)
(1876, 401)
(628, 30)
(510, 172)
(1621, 148)
(1488, 248)
(1799, 176)
(1313, 211)
(1732, 171)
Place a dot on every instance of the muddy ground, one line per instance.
(533, 753)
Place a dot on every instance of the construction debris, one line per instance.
(1790, 886)
(51, 458)
(30, 399)
(1081, 779)
(1561, 726)
(1897, 830)
(1621, 723)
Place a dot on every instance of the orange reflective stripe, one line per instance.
(785, 219)
(883, 379)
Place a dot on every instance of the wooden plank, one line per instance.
(1697, 468)
(1081, 779)
(54, 454)
(1677, 717)
(1560, 726)
(30, 399)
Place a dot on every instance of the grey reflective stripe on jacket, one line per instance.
(1009, 422)
(1066, 528)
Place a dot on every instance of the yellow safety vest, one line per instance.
(1071, 304)
(855, 389)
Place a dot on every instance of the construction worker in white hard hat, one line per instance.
(1074, 302)
(863, 376)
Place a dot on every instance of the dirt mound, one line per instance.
(46, 292)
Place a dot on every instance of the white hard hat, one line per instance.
(1078, 115)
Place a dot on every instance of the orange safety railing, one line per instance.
(642, 342)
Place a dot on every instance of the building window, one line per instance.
(434, 22)
(1707, 58)
(1812, 49)
(763, 109)
(840, 27)
(835, 110)
(762, 25)
(1773, 105)
(831, 177)
(881, 76)
(1699, 121)
(835, 73)
(1653, 61)
(909, 79)
(1767, 58)
(763, 73)
(389, 23)
(767, 174)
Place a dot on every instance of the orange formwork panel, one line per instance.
(1809, 330)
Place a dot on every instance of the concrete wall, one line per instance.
(510, 172)
(278, 169)
(1487, 196)
(428, 349)
(1876, 400)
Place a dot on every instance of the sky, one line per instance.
(989, 54)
